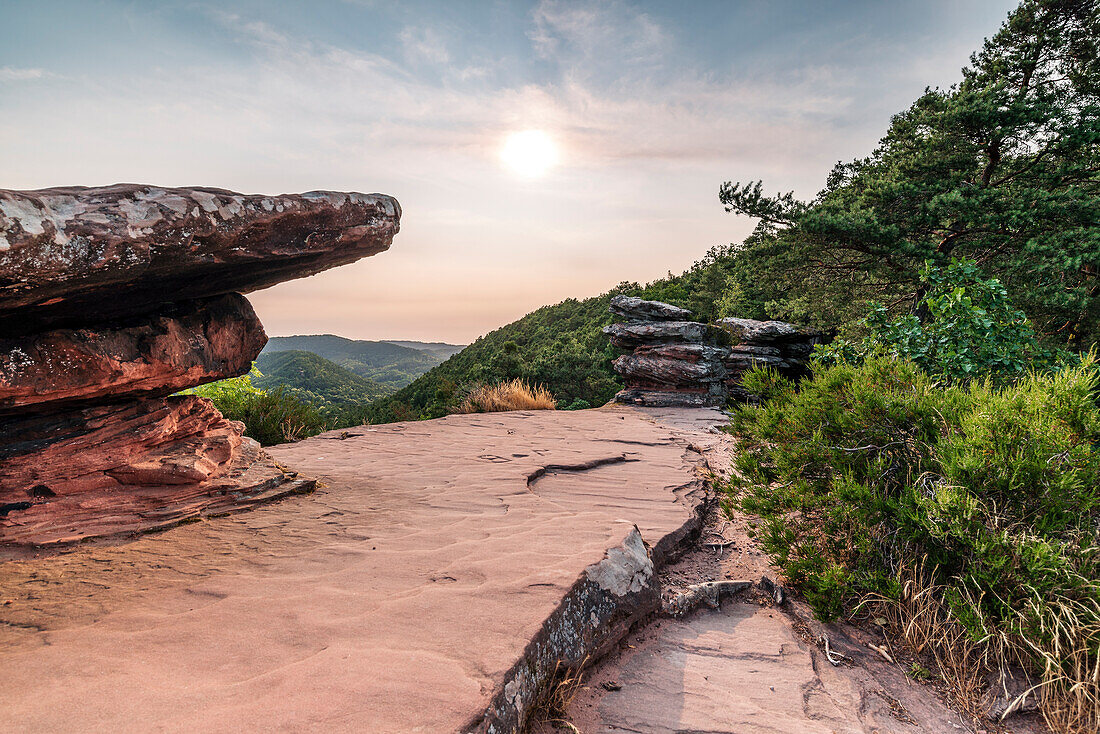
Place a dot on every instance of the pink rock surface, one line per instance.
(209, 340)
(120, 469)
(746, 669)
(394, 599)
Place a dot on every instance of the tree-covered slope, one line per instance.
(443, 350)
(315, 379)
(560, 347)
(388, 364)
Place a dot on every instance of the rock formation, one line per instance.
(675, 361)
(111, 300)
(776, 344)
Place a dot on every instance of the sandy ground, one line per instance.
(391, 600)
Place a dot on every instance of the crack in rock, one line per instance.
(542, 471)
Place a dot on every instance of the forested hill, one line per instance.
(560, 346)
(443, 350)
(386, 363)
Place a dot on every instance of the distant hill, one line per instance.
(441, 349)
(390, 364)
(316, 379)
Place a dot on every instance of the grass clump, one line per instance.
(967, 514)
(270, 417)
(512, 395)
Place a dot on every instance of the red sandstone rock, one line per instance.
(677, 365)
(629, 336)
(209, 340)
(113, 469)
(83, 255)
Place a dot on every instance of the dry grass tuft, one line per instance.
(514, 395)
(552, 705)
(1068, 688)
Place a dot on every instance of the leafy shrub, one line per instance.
(966, 328)
(269, 417)
(864, 475)
(513, 395)
(578, 404)
(277, 417)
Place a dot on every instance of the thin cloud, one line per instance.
(15, 74)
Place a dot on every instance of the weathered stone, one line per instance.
(73, 256)
(750, 331)
(200, 342)
(679, 365)
(112, 298)
(108, 470)
(629, 336)
(752, 350)
(671, 397)
(637, 309)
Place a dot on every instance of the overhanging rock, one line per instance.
(113, 298)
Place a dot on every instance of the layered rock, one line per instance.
(112, 299)
(784, 347)
(206, 340)
(635, 310)
(677, 362)
(79, 255)
(673, 361)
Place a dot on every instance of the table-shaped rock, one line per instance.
(111, 300)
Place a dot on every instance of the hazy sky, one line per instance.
(651, 107)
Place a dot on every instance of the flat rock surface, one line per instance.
(745, 669)
(391, 600)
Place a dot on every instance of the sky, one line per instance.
(645, 108)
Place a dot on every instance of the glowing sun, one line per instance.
(529, 153)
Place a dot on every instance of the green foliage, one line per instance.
(966, 329)
(229, 395)
(1002, 168)
(277, 417)
(560, 347)
(864, 471)
(390, 365)
(315, 380)
(269, 417)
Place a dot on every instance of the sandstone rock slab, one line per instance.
(79, 255)
(399, 597)
(125, 468)
(629, 336)
(674, 365)
(635, 309)
(751, 331)
(745, 669)
(199, 342)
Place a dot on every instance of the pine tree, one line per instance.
(1002, 168)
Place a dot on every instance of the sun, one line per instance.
(530, 153)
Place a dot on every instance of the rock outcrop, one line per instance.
(677, 362)
(111, 300)
(784, 347)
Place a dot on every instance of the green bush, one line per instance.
(864, 474)
(966, 328)
(270, 417)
